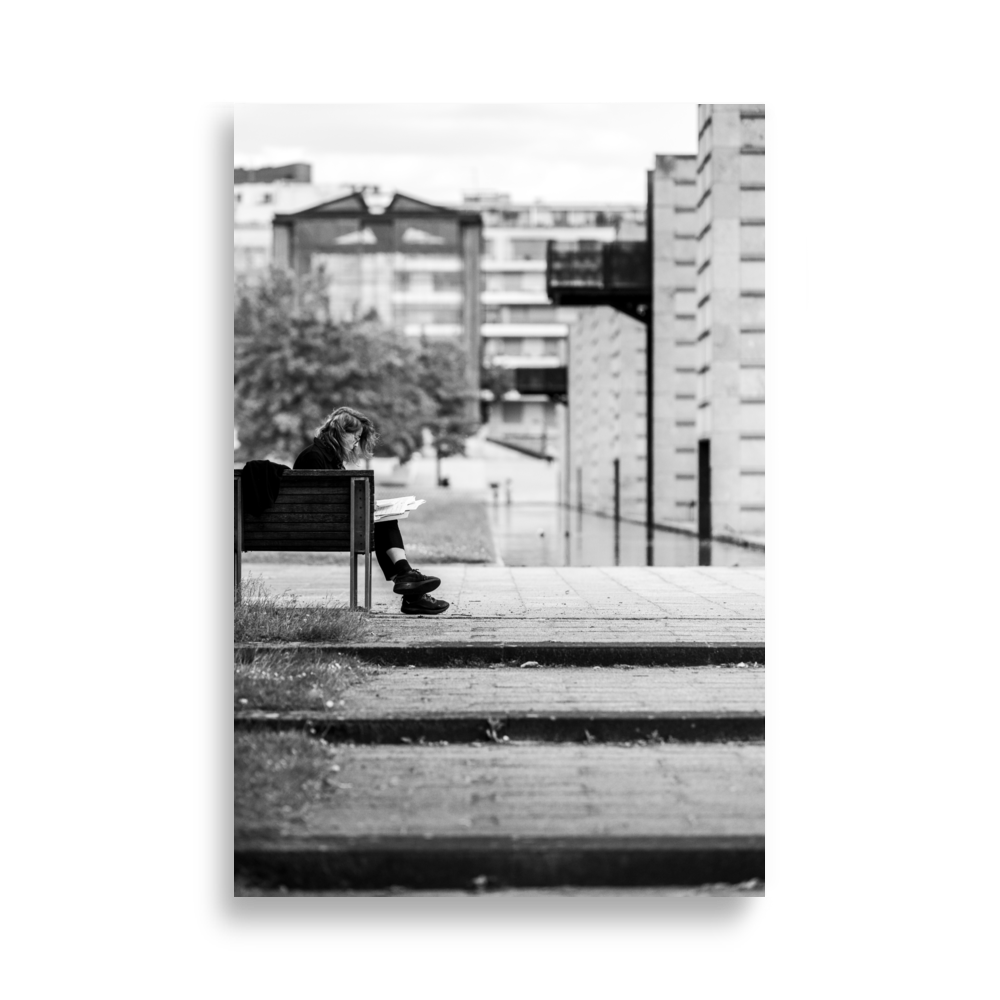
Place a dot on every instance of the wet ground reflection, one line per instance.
(550, 535)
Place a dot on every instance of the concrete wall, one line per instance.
(730, 310)
(607, 412)
(472, 237)
(675, 239)
(607, 374)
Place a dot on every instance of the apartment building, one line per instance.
(693, 299)
(730, 319)
(413, 264)
(257, 196)
(643, 303)
(521, 329)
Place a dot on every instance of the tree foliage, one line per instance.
(293, 366)
(444, 377)
(496, 379)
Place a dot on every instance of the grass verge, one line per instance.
(290, 680)
(447, 529)
(275, 777)
(260, 618)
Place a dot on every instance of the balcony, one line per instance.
(613, 274)
(541, 381)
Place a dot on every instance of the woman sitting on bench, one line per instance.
(349, 436)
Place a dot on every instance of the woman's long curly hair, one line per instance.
(339, 424)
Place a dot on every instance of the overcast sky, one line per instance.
(554, 152)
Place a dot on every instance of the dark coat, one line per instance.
(318, 456)
(260, 482)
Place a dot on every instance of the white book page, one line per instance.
(395, 507)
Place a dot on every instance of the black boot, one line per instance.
(423, 605)
(413, 583)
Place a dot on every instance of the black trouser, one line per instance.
(387, 536)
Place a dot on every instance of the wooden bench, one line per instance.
(314, 512)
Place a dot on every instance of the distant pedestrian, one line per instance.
(348, 436)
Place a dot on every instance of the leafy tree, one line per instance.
(497, 379)
(293, 365)
(444, 377)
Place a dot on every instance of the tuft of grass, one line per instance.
(260, 618)
(290, 680)
(276, 776)
(447, 529)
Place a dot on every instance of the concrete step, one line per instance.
(752, 887)
(399, 692)
(634, 727)
(572, 704)
(484, 650)
(521, 815)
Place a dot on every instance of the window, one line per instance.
(266, 198)
(531, 314)
(491, 314)
(513, 413)
(447, 281)
(514, 282)
(414, 281)
(504, 346)
(430, 314)
(528, 249)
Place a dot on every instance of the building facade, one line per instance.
(606, 467)
(608, 372)
(706, 335)
(730, 318)
(414, 265)
(521, 328)
(673, 191)
(257, 196)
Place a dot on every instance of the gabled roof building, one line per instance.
(414, 264)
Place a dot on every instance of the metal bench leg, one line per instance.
(238, 543)
(354, 549)
(368, 545)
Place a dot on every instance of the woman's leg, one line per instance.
(411, 583)
(388, 547)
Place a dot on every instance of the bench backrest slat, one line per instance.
(311, 513)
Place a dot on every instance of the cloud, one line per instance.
(553, 151)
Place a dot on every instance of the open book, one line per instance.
(395, 509)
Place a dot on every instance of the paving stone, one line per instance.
(400, 692)
(540, 790)
(753, 888)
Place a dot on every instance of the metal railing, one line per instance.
(609, 267)
(540, 380)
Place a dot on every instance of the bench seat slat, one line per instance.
(317, 527)
(315, 516)
(285, 545)
(296, 506)
(335, 487)
(281, 515)
(275, 538)
(342, 497)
